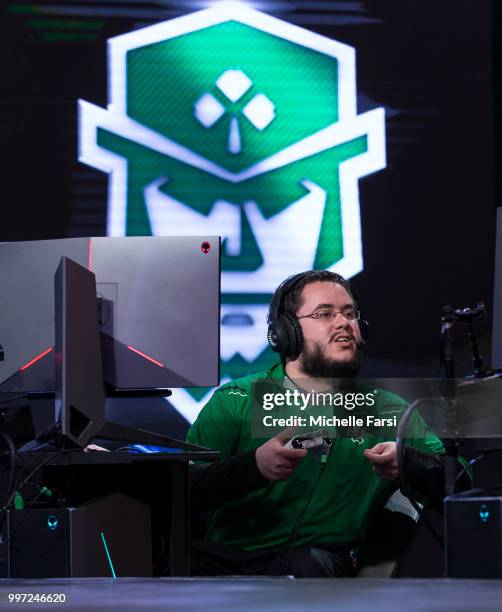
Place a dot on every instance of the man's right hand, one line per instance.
(276, 462)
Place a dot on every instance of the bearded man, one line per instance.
(294, 514)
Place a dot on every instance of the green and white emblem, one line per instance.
(229, 121)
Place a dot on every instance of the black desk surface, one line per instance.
(79, 457)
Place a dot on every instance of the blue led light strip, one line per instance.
(108, 555)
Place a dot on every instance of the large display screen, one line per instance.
(352, 136)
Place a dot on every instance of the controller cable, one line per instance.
(290, 542)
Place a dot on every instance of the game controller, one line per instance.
(318, 442)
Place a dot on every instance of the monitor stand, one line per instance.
(113, 432)
(80, 388)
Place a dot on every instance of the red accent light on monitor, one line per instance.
(35, 359)
(205, 247)
(157, 363)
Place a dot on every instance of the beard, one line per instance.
(315, 364)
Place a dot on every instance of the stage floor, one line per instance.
(262, 594)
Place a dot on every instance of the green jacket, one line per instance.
(346, 494)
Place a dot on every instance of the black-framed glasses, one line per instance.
(350, 314)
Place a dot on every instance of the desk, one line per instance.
(82, 476)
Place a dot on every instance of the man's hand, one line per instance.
(276, 462)
(383, 456)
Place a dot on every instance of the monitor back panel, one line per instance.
(159, 313)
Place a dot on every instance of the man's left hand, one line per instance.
(383, 456)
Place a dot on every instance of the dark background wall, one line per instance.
(428, 219)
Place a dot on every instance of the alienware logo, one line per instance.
(484, 513)
(52, 522)
(229, 121)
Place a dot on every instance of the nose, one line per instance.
(340, 321)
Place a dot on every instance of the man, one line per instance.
(299, 516)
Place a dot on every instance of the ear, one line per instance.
(358, 336)
(363, 331)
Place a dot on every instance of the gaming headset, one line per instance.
(285, 335)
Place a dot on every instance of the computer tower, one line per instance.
(473, 527)
(110, 537)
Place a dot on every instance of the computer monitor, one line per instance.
(159, 311)
(80, 389)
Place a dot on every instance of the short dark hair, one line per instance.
(286, 298)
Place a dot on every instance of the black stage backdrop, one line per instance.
(428, 219)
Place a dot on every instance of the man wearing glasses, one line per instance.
(295, 514)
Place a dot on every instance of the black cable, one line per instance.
(42, 491)
(475, 460)
(400, 451)
(17, 488)
(11, 399)
(158, 559)
(290, 542)
(29, 504)
(39, 466)
(12, 459)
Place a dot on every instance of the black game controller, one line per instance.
(318, 442)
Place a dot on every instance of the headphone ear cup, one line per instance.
(364, 329)
(285, 336)
(277, 336)
(295, 335)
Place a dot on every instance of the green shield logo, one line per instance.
(229, 121)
